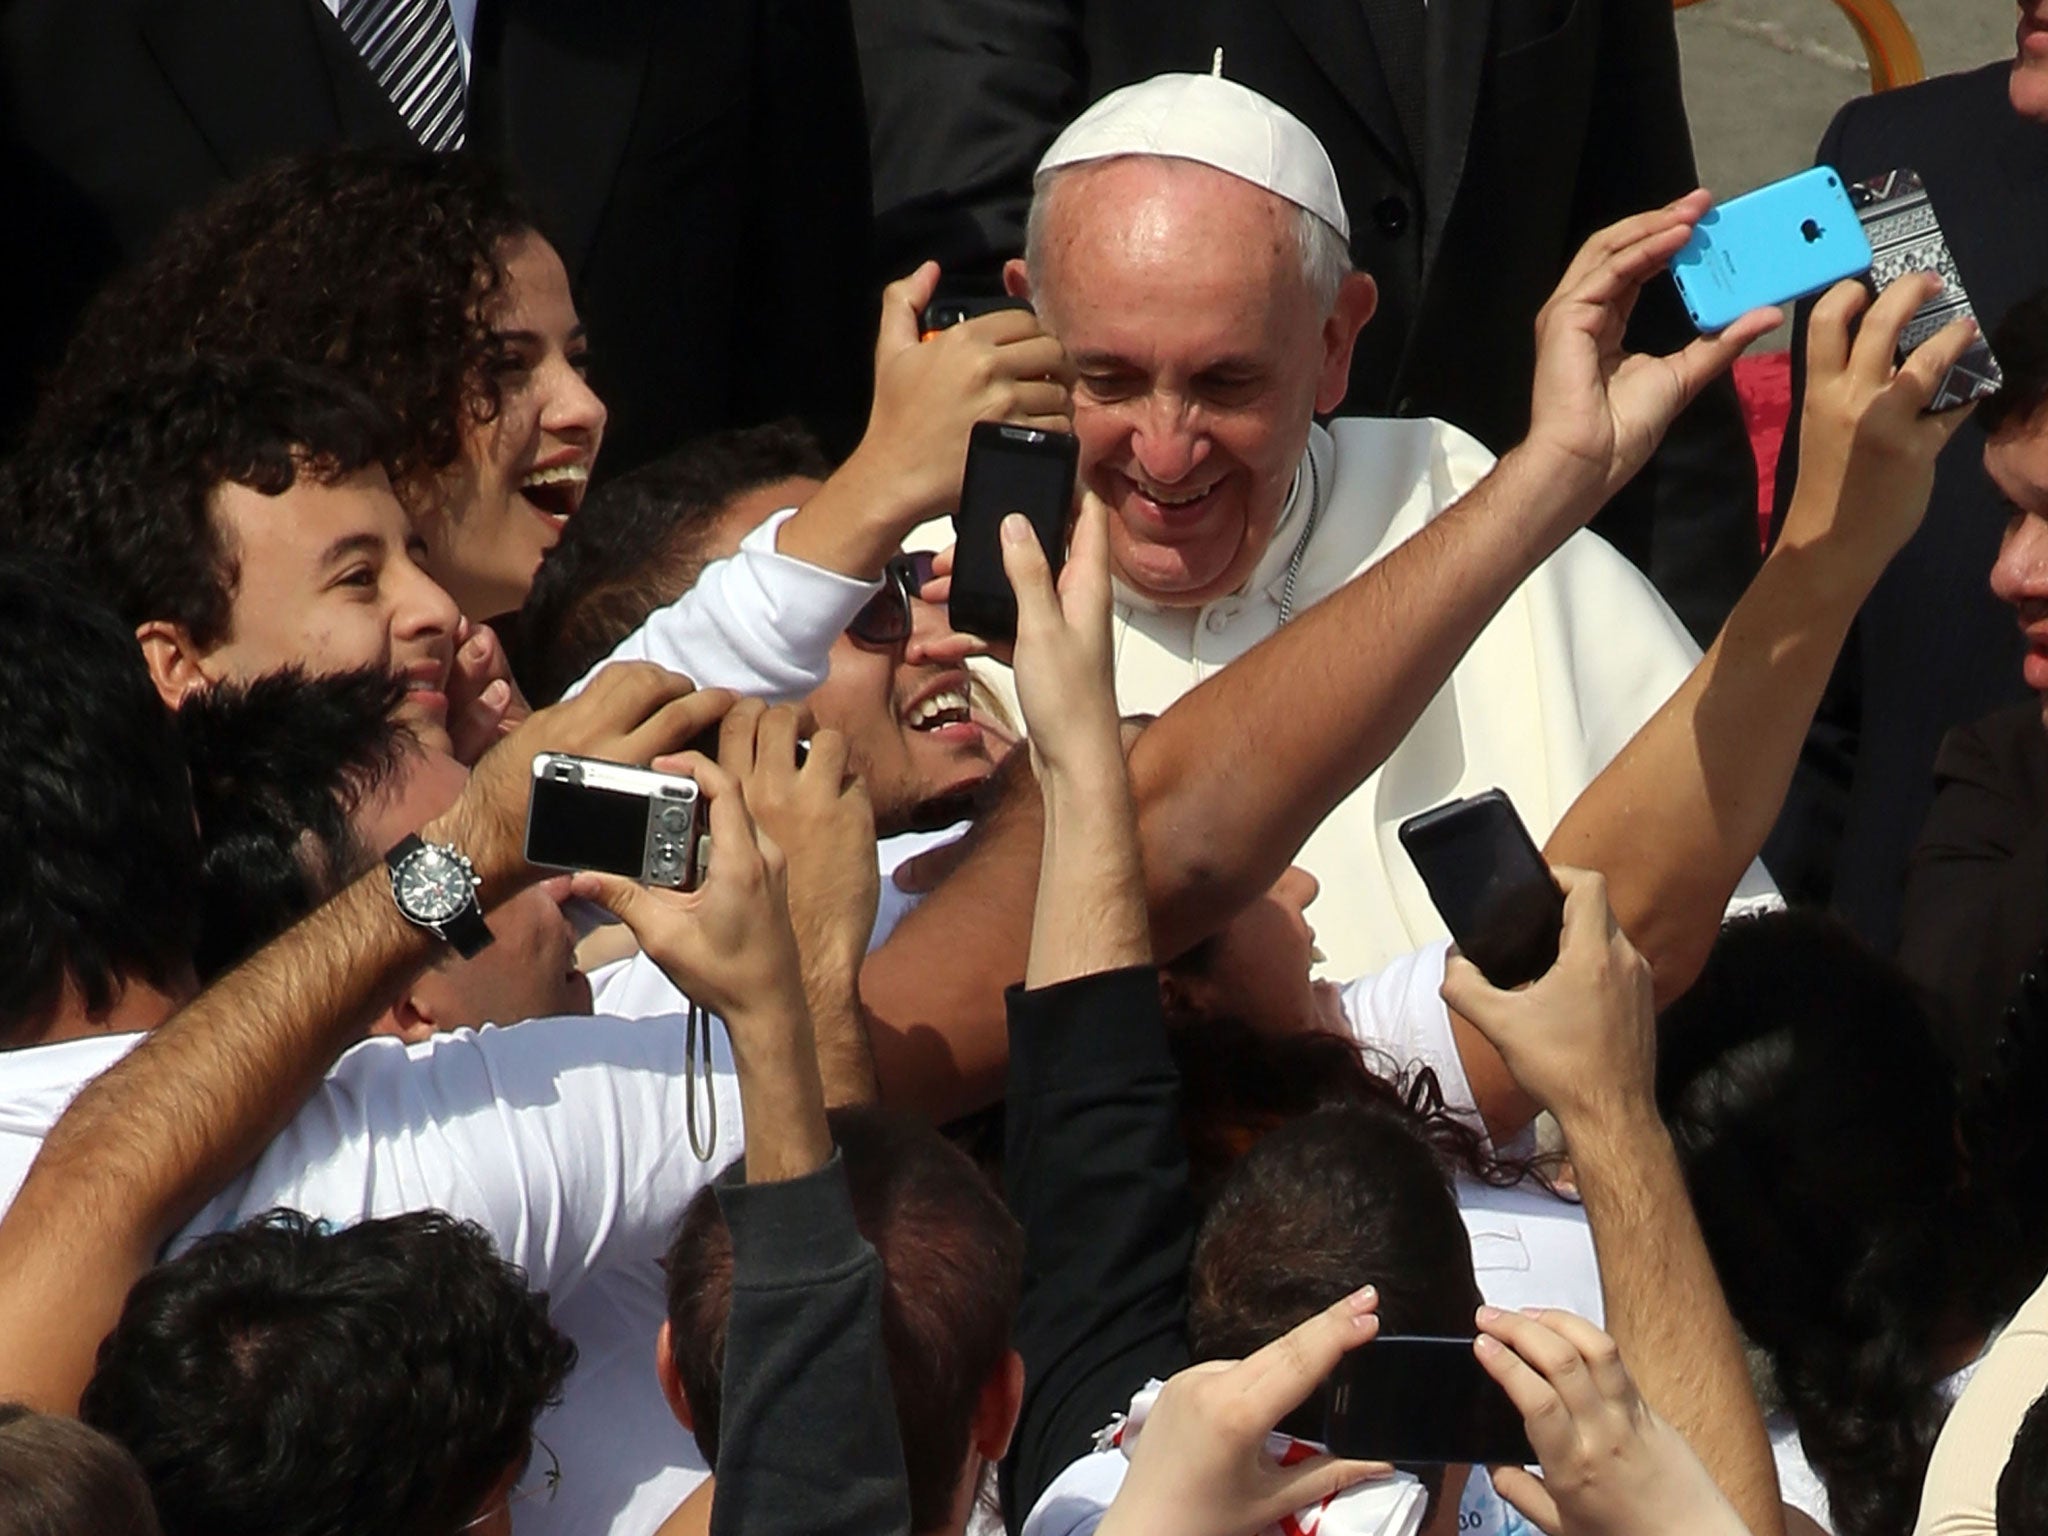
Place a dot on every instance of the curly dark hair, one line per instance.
(279, 766)
(98, 858)
(287, 1379)
(121, 485)
(1239, 1083)
(382, 264)
(640, 542)
(1816, 1120)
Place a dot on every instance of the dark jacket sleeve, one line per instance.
(1976, 900)
(963, 97)
(1096, 1170)
(808, 1440)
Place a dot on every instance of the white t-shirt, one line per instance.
(563, 1138)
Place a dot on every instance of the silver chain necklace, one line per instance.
(1308, 531)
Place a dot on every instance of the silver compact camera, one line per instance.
(589, 814)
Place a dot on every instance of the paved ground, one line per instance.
(1763, 77)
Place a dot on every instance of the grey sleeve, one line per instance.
(808, 1440)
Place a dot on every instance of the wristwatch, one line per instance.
(435, 887)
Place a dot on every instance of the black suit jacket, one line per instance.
(700, 167)
(1547, 119)
(1932, 648)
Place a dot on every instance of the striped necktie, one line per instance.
(411, 49)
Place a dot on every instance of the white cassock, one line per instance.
(1576, 660)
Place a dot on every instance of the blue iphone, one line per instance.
(1771, 246)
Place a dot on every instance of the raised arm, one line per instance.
(147, 1143)
(1231, 780)
(1677, 817)
(1092, 1084)
(762, 621)
(1582, 1042)
(808, 1436)
(818, 814)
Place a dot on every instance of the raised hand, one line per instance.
(1581, 1039)
(1866, 450)
(728, 945)
(928, 394)
(632, 713)
(1599, 411)
(1611, 1466)
(819, 815)
(1066, 683)
(1200, 1467)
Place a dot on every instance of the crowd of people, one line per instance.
(987, 1140)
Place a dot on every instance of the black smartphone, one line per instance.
(941, 314)
(1009, 469)
(1490, 885)
(1419, 1401)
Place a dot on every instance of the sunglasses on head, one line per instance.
(885, 619)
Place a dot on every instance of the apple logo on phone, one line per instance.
(1810, 230)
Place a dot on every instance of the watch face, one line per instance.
(431, 885)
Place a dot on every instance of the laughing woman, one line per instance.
(425, 282)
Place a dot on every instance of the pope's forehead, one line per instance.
(1146, 231)
(1158, 197)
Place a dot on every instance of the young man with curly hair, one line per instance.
(238, 517)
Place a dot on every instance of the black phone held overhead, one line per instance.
(1490, 885)
(1419, 1402)
(1009, 469)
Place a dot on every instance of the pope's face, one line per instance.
(1178, 291)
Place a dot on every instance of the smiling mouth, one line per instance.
(556, 492)
(949, 706)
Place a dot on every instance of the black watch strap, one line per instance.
(466, 932)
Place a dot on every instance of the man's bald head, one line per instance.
(1209, 322)
(1321, 254)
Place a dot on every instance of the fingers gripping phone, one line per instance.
(1009, 469)
(585, 813)
(1771, 246)
(1490, 885)
(1420, 1401)
(1905, 237)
